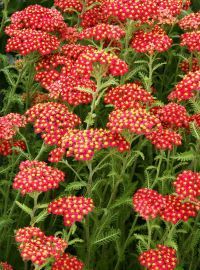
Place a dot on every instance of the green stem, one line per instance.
(42, 149)
(27, 145)
(95, 101)
(12, 92)
(149, 234)
(87, 223)
(149, 83)
(5, 15)
(71, 168)
(158, 170)
(127, 242)
(35, 207)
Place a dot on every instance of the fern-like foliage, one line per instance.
(106, 237)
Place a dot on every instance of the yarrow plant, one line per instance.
(100, 135)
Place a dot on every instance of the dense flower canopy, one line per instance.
(36, 176)
(35, 246)
(161, 258)
(72, 208)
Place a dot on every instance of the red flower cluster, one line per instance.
(164, 138)
(73, 51)
(6, 146)
(68, 88)
(69, 5)
(174, 7)
(27, 41)
(5, 266)
(47, 77)
(93, 16)
(184, 90)
(143, 10)
(187, 185)
(70, 35)
(149, 42)
(37, 17)
(56, 155)
(130, 9)
(113, 64)
(103, 31)
(173, 115)
(52, 119)
(190, 22)
(195, 118)
(162, 258)
(186, 66)
(148, 203)
(53, 61)
(36, 176)
(176, 210)
(191, 40)
(138, 121)
(31, 29)
(35, 246)
(67, 262)
(9, 125)
(72, 208)
(82, 144)
(128, 96)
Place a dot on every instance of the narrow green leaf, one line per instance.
(41, 217)
(25, 208)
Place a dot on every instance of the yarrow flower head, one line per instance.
(71, 89)
(131, 9)
(37, 17)
(113, 64)
(35, 246)
(186, 88)
(69, 5)
(175, 210)
(195, 118)
(72, 208)
(36, 176)
(148, 203)
(187, 185)
(102, 31)
(162, 257)
(190, 22)
(173, 115)
(128, 96)
(26, 41)
(32, 30)
(9, 125)
(47, 77)
(138, 121)
(73, 51)
(52, 119)
(93, 16)
(5, 266)
(53, 61)
(143, 11)
(191, 40)
(149, 42)
(186, 66)
(6, 146)
(82, 144)
(67, 262)
(164, 138)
